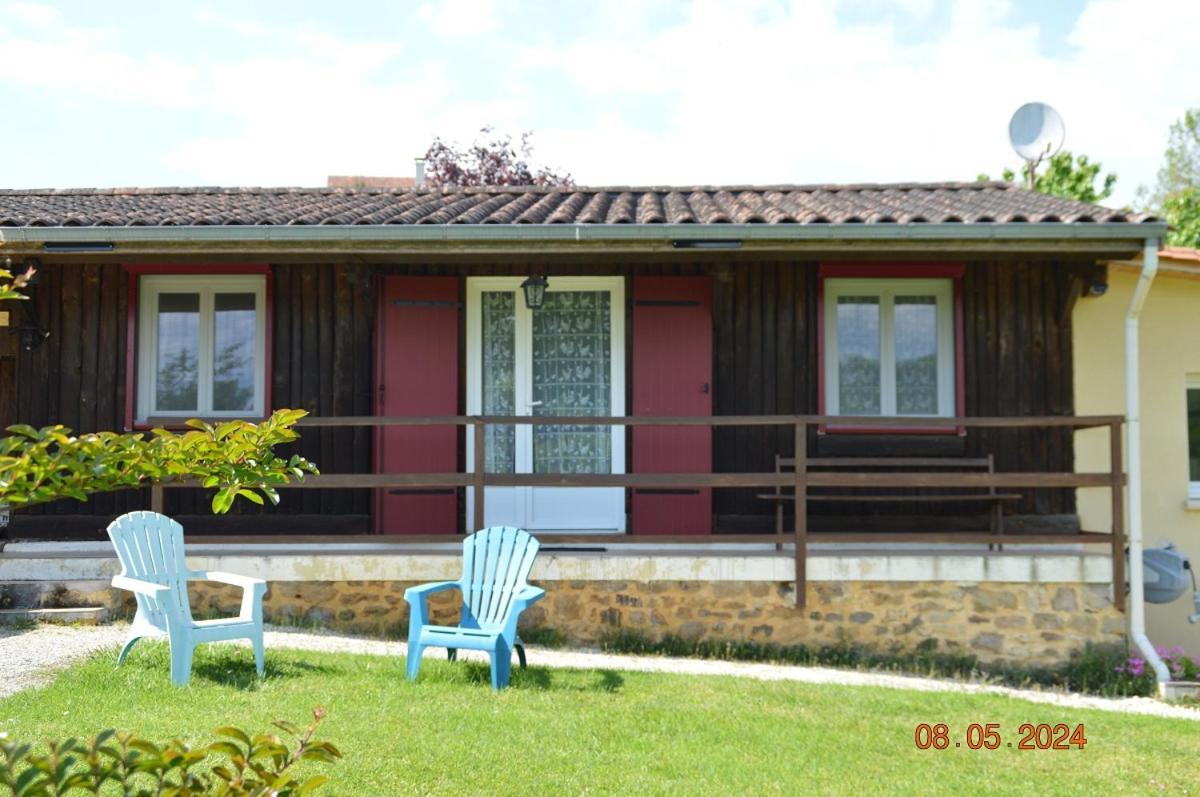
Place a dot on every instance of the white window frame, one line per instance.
(149, 289)
(1192, 383)
(942, 289)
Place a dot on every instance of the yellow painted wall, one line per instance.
(1170, 352)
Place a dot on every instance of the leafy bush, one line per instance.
(255, 766)
(1097, 669)
(237, 457)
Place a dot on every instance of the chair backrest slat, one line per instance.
(496, 565)
(150, 548)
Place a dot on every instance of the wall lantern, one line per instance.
(31, 333)
(535, 291)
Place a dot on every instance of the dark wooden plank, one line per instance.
(1069, 422)
(281, 337)
(342, 379)
(667, 480)
(325, 368)
(8, 393)
(897, 499)
(89, 333)
(786, 358)
(68, 333)
(1117, 491)
(364, 374)
(800, 494)
(742, 376)
(307, 377)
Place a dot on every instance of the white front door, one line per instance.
(566, 358)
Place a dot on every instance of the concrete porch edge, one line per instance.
(76, 561)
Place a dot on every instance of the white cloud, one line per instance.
(804, 98)
(459, 18)
(762, 91)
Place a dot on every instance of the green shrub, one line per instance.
(236, 457)
(257, 766)
(1097, 669)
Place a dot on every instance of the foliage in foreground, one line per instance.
(1105, 670)
(236, 457)
(255, 766)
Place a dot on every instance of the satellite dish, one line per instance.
(1036, 131)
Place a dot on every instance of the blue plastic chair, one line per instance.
(150, 547)
(496, 564)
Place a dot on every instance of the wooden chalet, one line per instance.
(894, 361)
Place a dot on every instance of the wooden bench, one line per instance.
(984, 464)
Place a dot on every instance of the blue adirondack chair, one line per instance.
(496, 564)
(150, 547)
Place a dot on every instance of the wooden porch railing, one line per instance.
(800, 481)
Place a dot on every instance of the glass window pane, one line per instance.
(1193, 413)
(177, 361)
(572, 375)
(499, 377)
(916, 355)
(234, 334)
(858, 355)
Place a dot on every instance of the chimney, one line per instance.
(420, 162)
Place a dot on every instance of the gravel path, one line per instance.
(29, 658)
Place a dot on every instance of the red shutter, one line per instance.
(417, 374)
(672, 375)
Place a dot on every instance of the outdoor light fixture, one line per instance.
(67, 247)
(535, 291)
(714, 243)
(31, 333)
(29, 271)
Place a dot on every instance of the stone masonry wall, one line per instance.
(997, 622)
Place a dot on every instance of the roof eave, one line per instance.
(1050, 234)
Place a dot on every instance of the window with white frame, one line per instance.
(1193, 436)
(889, 347)
(201, 346)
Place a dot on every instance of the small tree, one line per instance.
(237, 458)
(1182, 212)
(1176, 194)
(1180, 171)
(490, 162)
(1067, 176)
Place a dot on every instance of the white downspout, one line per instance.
(1133, 412)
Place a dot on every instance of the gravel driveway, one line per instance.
(29, 658)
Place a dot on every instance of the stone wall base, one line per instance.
(1026, 624)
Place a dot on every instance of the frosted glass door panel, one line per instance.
(571, 373)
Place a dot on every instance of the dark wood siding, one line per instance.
(76, 377)
(1017, 346)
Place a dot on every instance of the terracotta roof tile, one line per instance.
(901, 203)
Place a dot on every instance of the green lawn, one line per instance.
(608, 732)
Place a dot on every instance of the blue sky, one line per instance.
(645, 92)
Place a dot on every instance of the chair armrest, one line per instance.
(234, 579)
(139, 586)
(417, 593)
(252, 588)
(527, 597)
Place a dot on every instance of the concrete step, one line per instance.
(55, 594)
(88, 615)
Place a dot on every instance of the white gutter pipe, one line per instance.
(1133, 412)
